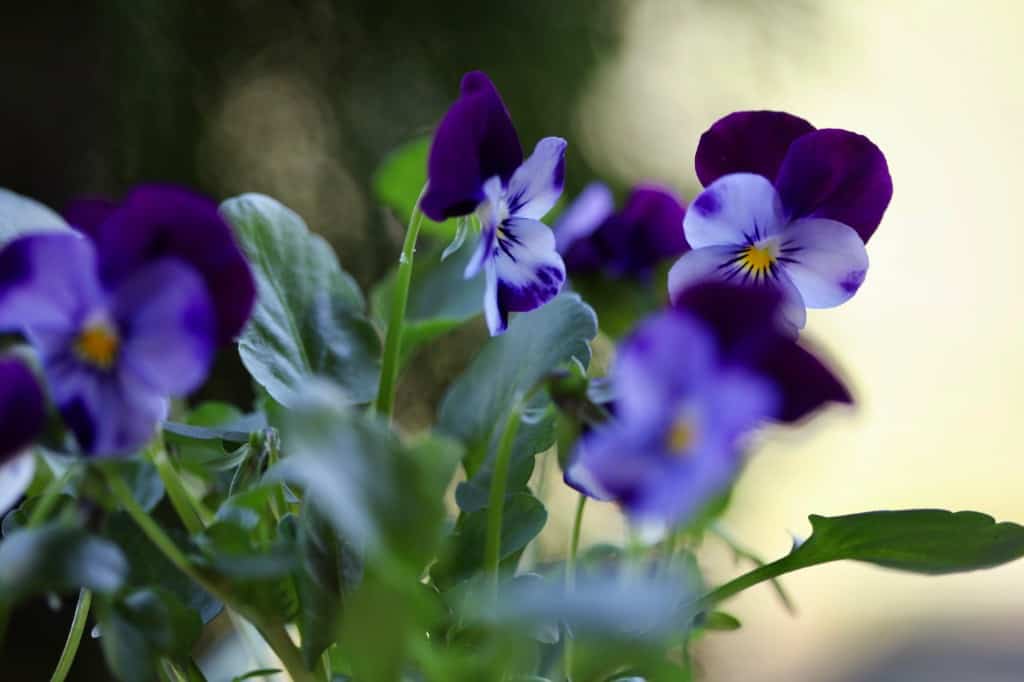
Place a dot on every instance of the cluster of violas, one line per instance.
(126, 311)
(780, 226)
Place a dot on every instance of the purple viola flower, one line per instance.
(476, 166)
(785, 206)
(592, 237)
(691, 383)
(22, 407)
(112, 353)
(155, 222)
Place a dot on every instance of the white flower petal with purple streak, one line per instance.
(825, 259)
(15, 477)
(740, 208)
(530, 271)
(497, 322)
(536, 185)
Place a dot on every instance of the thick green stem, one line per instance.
(67, 656)
(496, 501)
(396, 318)
(758, 575)
(274, 634)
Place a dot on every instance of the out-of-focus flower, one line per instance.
(156, 222)
(785, 206)
(594, 238)
(690, 383)
(476, 165)
(22, 407)
(112, 349)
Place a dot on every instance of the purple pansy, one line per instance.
(22, 407)
(690, 383)
(785, 206)
(476, 166)
(114, 350)
(156, 222)
(592, 237)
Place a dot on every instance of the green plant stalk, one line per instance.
(48, 498)
(760, 574)
(396, 318)
(496, 500)
(67, 656)
(187, 508)
(570, 577)
(274, 634)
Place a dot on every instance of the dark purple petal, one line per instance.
(805, 383)
(657, 216)
(22, 407)
(747, 142)
(86, 215)
(162, 221)
(168, 327)
(750, 325)
(475, 141)
(839, 175)
(47, 282)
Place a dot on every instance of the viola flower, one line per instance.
(592, 237)
(691, 383)
(155, 222)
(22, 407)
(112, 350)
(476, 166)
(785, 206)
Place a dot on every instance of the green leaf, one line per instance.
(309, 316)
(330, 569)
(399, 180)
(720, 620)
(930, 541)
(476, 406)
(381, 494)
(58, 558)
(141, 627)
(148, 566)
(20, 215)
(523, 519)
(440, 298)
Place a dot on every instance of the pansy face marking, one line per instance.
(785, 206)
(476, 166)
(98, 342)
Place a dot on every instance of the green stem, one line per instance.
(758, 575)
(186, 506)
(49, 498)
(275, 635)
(67, 656)
(496, 501)
(570, 577)
(396, 319)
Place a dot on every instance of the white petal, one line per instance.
(739, 208)
(712, 263)
(584, 215)
(537, 184)
(530, 271)
(699, 265)
(15, 477)
(496, 322)
(825, 259)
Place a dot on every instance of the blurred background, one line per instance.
(303, 99)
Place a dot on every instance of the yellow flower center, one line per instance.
(758, 259)
(97, 344)
(681, 436)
